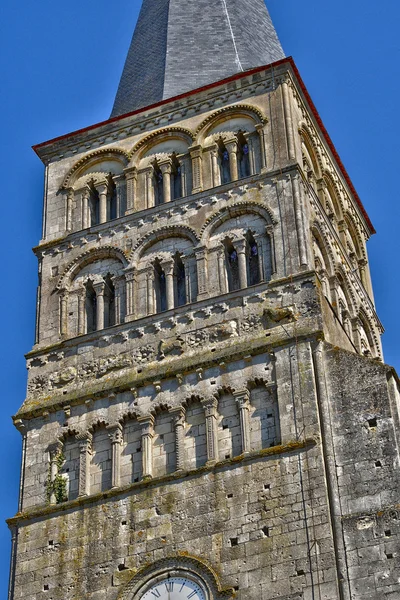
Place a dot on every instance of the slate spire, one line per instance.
(180, 45)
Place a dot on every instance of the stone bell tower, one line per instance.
(208, 413)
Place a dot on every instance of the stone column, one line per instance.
(85, 448)
(342, 227)
(240, 247)
(54, 450)
(261, 132)
(68, 210)
(210, 409)
(242, 398)
(201, 264)
(252, 159)
(260, 241)
(99, 288)
(270, 232)
(223, 284)
(168, 268)
(298, 213)
(197, 176)
(356, 327)
(334, 284)
(179, 421)
(231, 146)
(149, 273)
(183, 177)
(166, 171)
(215, 171)
(130, 279)
(63, 313)
(288, 120)
(131, 189)
(116, 443)
(85, 208)
(149, 189)
(81, 312)
(103, 192)
(120, 191)
(147, 445)
(119, 299)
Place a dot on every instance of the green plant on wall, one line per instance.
(58, 487)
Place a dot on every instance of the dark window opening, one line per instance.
(243, 157)
(112, 200)
(160, 287)
(91, 307)
(179, 281)
(232, 265)
(94, 206)
(223, 162)
(176, 178)
(109, 302)
(158, 185)
(253, 260)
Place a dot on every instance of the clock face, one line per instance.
(174, 588)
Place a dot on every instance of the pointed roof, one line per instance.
(180, 45)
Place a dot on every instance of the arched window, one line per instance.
(94, 206)
(243, 157)
(158, 185)
(253, 260)
(176, 178)
(109, 302)
(223, 162)
(91, 307)
(179, 281)
(160, 287)
(232, 266)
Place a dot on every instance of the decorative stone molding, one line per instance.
(179, 565)
(250, 111)
(116, 153)
(88, 257)
(165, 132)
(238, 208)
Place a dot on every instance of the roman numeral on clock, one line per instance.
(192, 594)
(156, 593)
(170, 586)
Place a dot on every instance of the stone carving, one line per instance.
(63, 378)
(37, 384)
(144, 354)
(174, 347)
(223, 332)
(196, 338)
(114, 363)
(277, 315)
(252, 323)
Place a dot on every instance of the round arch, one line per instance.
(179, 565)
(221, 115)
(88, 257)
(307, 139)
(162, 233)
(324, 246)
(355, 236)
(116, 154)
(240, 208)
(158, 136)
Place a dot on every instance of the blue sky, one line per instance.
(60, 64)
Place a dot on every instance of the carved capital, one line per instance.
(178, 414)
(147, 423)
(242, 398)
(210, 406)
(115, 433)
